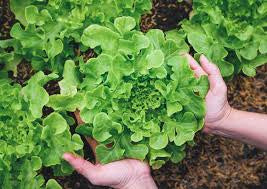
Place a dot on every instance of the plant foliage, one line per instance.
(138, 98)
(47, 34)
(28, 142)
(232, 33)
(49, 31)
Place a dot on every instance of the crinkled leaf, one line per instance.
(125, 24)
(155, 59)
(103, 126)
(158, 141)
(68, 103)
(18, 7)
(36, 163)
(96, 35)
(35, 94)
(106, 154)
(85, 130)
(137, 151)
(68, 86)
(52, 184)
(54, 124)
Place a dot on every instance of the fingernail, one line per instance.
(203, 58)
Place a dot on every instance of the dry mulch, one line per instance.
(249, 94)
(215, 162)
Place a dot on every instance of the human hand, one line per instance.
(123, 174)
(218, 108)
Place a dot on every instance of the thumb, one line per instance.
(87, 169)
(214, 74)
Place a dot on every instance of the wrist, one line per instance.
(145, 181)
(217, 124)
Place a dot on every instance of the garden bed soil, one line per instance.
(214, 162)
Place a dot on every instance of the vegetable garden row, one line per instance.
(134, 90)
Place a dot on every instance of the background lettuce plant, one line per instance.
(48, 31)
(138, 95)
(28, 142)
(231, 33)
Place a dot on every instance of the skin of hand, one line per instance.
(123, 174)
(221, 119)
(217, 106)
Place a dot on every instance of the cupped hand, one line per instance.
(123, 174)
(217, 106)
(127, 173)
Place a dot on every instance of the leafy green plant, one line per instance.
(231, 33)
(28, 142)
(48, 31)
(138, 98)
(46, 35)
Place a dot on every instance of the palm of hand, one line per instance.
(217, 106)
(121, 174)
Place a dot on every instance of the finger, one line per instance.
(209, 68)
(85, 168)
(214, 74)
(195, 66)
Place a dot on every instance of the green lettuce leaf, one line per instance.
(35, 94)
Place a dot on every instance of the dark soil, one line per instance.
(165, 15)
(24, 73)
(86, 55)
(6, 19)
(249, 94)
(215, 162)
